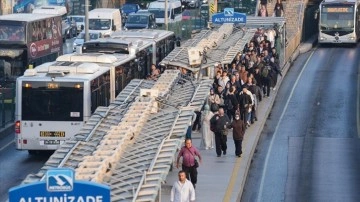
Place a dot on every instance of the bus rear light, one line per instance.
(24, 141)
(17, 127)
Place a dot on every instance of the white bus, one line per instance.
(55, 99)
(158, 9)
(67, 30)
(339, 21)
(163, 42)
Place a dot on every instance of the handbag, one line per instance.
(196, 163)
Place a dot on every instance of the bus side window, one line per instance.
(172, 14)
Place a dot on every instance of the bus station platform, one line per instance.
(223, 178)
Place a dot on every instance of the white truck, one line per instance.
(105, 20)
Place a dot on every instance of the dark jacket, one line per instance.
(220, 122)
(234, 102)
(244, 100)
(239, 128)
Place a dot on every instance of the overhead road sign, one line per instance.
(229, 16)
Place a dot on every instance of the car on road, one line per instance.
(204, 11)
(142, 20)
(80, 22)
(79, 40)
(186, 15)
(191, 3)
(128, 8)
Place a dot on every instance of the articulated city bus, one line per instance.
(55, 99)
(339, 21)
(163, 42)
(27, 39)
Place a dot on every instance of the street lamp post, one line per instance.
(86, 20)
(166, 15)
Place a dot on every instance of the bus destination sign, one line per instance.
(338, 9)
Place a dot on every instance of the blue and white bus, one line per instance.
(339, 22)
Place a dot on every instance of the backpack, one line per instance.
(229, 104)
(213, 124)
(214, 107)
(265, 71)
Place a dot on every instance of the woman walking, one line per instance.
(207, 141)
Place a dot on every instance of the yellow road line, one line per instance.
(233, 178)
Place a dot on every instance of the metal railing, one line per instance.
(7, 106)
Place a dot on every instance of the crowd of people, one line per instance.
(232, 103)
(278, 9)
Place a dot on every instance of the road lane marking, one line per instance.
(233, 178)
(357, 103)
(8, 144)
(277, 126)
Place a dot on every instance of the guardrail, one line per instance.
(7, 106)
(293, 43)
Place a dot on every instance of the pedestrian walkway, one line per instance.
(222, 178)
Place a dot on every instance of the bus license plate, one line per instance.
(52, 142)
(52, 133)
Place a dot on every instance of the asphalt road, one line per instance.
(309, 148)
(15, 165)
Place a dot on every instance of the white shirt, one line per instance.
(222, 81)
(182, 192)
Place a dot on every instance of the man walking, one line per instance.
(189, 164)
(182, 190)
(220, 122)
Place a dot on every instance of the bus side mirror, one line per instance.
(82, 27)
(316, 14)
(113, 27)
(178, 42)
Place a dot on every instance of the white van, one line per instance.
(158, 9)
(105, 20)
(67, 29)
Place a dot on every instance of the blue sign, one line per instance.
(60, 185)
(229, 16)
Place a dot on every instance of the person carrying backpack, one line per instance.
(265, 75)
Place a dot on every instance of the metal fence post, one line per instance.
(13, 91)
(2, 110)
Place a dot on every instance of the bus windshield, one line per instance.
(159, 13)
(337, 18)
(99, 24)
(49, 101)
(12, 33)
